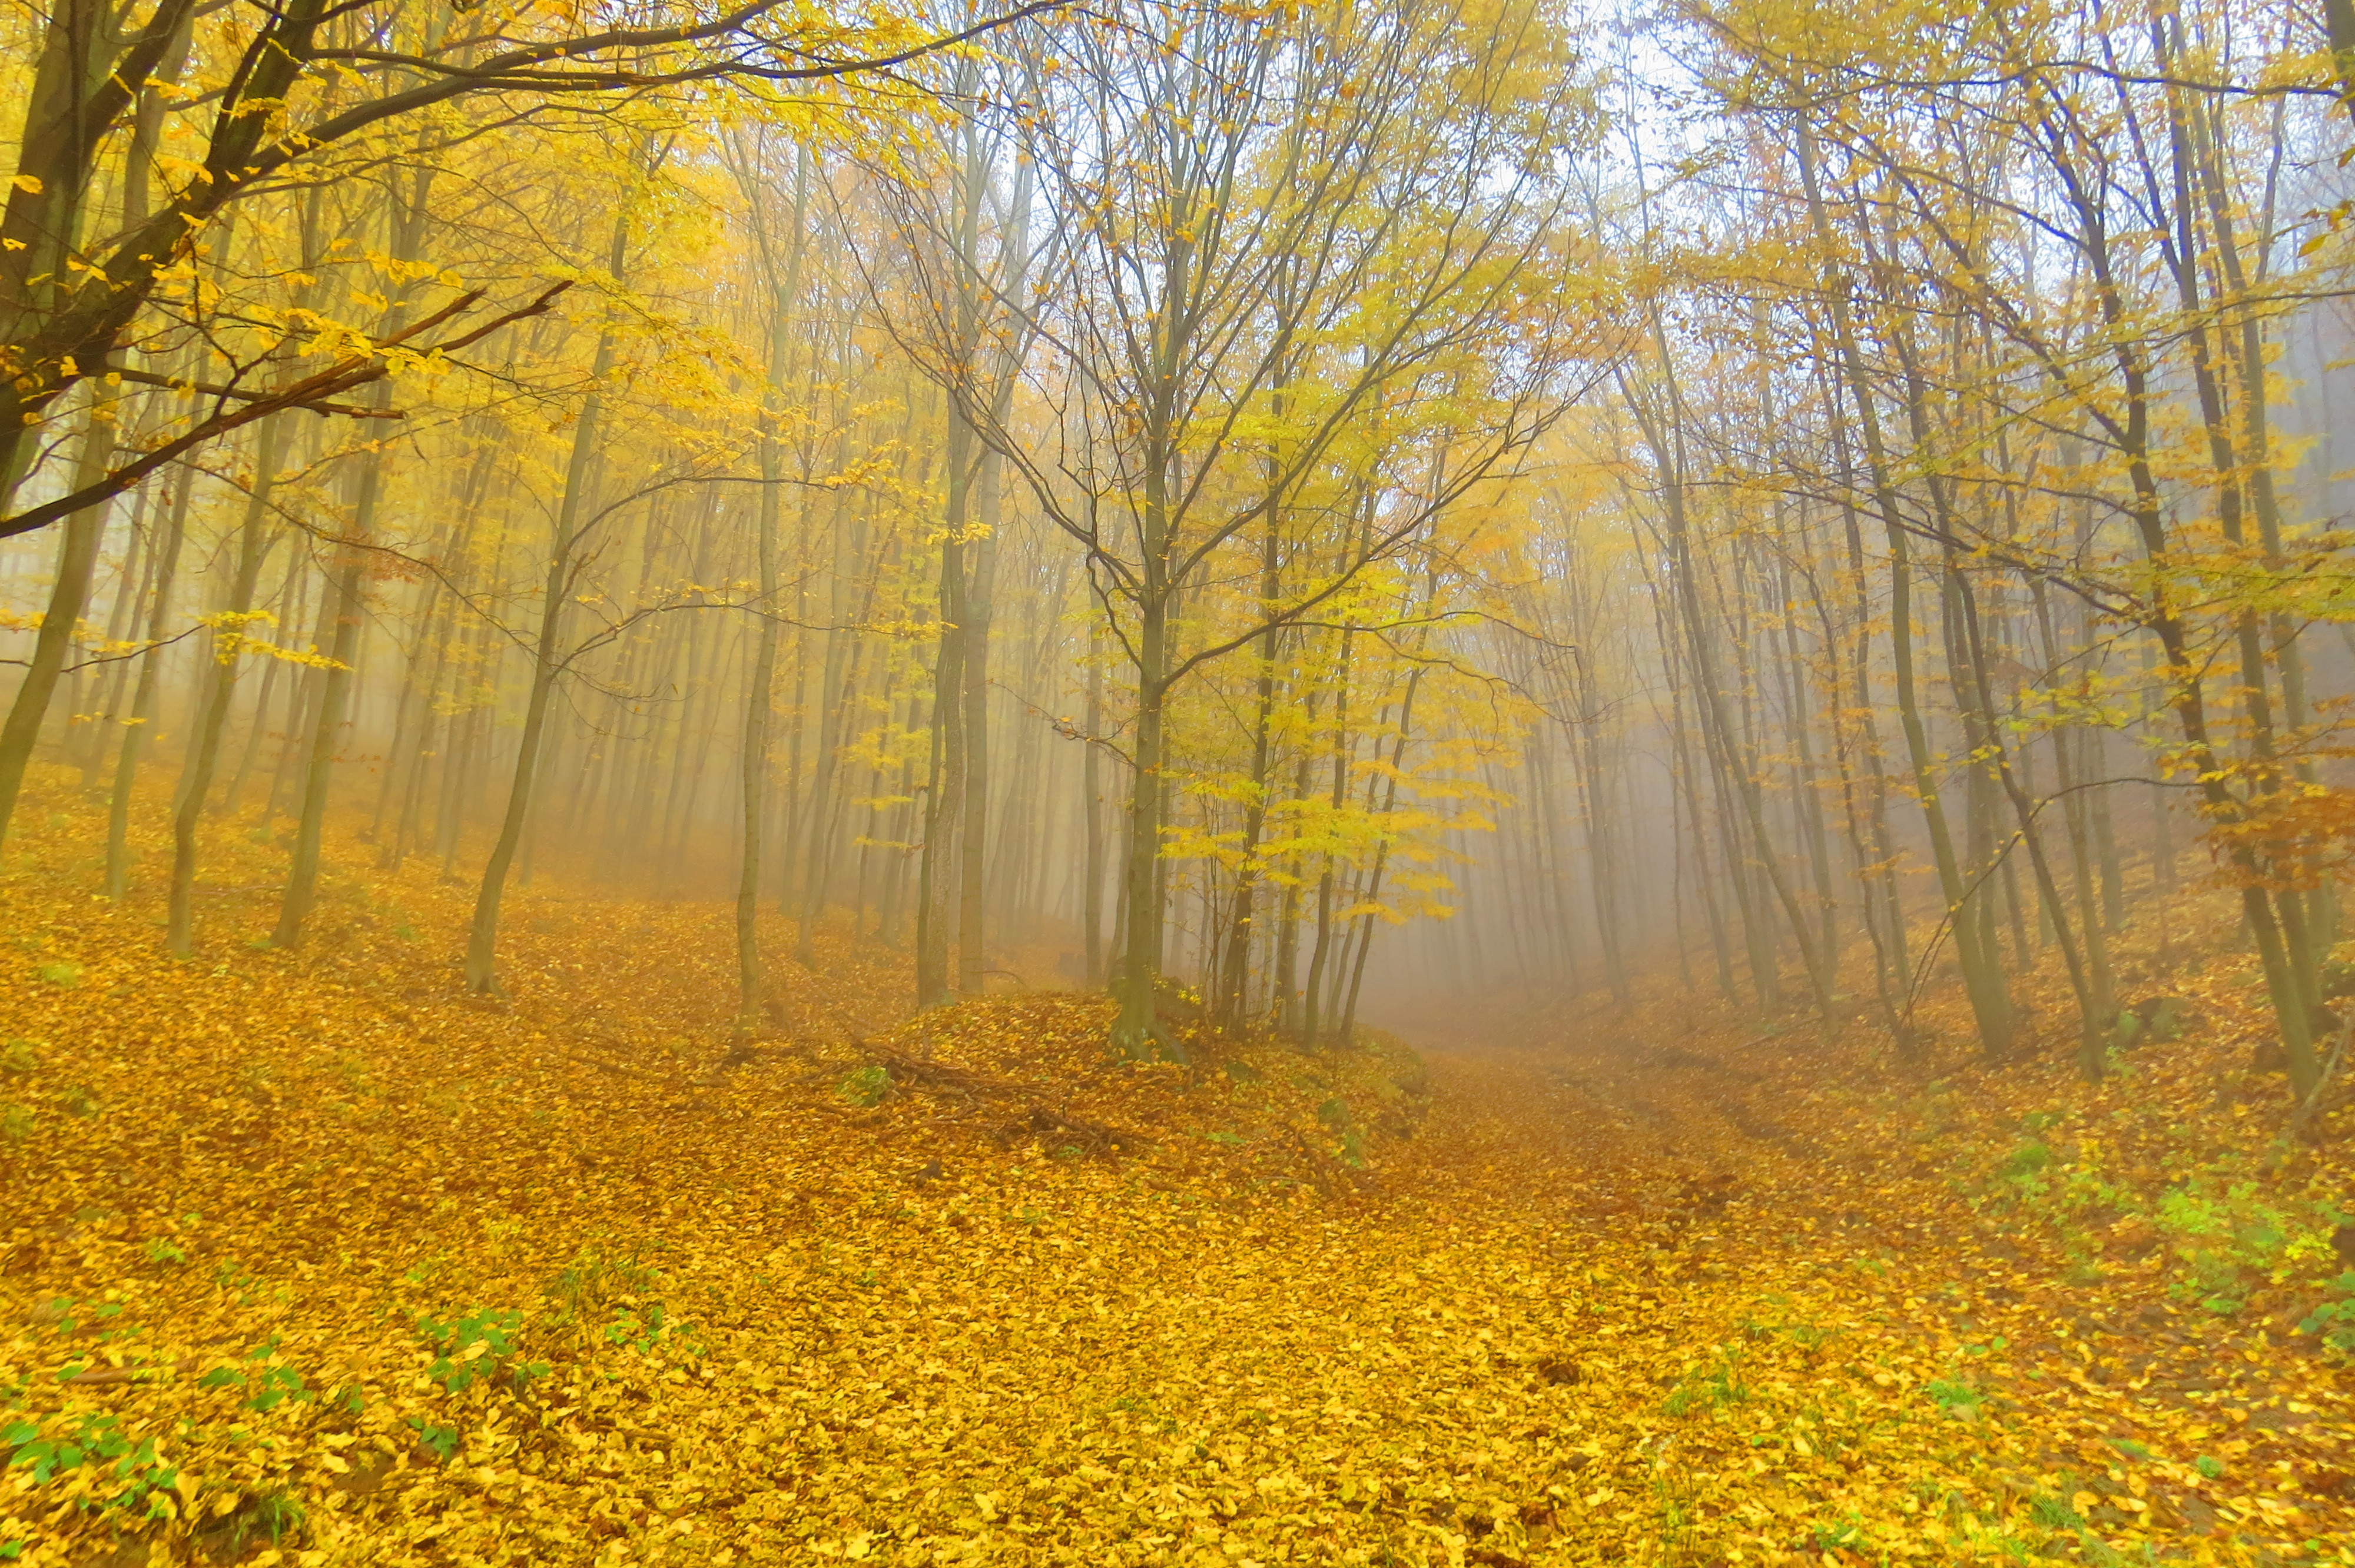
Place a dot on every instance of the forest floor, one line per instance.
(307, 1257)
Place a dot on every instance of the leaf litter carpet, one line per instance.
(308, 1257)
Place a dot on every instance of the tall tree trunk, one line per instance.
(133, 586)
(1603, 834)
(1372, 891)
(760, 702)
(1982, 976)
(1092, 820)
(142, 699)
(2094, 1007)
(328, 724)
(220, 688)
(761, 688)
(945, 793)
(947, 798)
(1662, 432)
(556, 587)
(980, 587)
(1313, 1027)
(1137, 1032)
(77, 559)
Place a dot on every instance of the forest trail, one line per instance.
(313, 1254)
(1849, 1345)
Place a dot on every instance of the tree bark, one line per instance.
(143, 698)
(220, 689)
(77, 559)
(483, 935)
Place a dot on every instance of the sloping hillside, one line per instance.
(310, 1255)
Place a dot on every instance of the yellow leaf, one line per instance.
(30, 184)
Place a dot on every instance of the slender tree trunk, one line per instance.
(134, 584)
(948, 796)
(2094, 1007)
(1602, 832)
(759, 701)
(1372, 891)
(761, 688)
(973, 953)
(289, 597)
(410, 219)
(1091, 824)
(326, 736)
(1716, 723)
(220, 689)
(142, 700)
(1982, 978)
(945, 793)
(77, 559)
(482, 942)
(1312, 1031)
(1137, 1027)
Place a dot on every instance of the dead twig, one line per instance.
(1034, 1116)
(2305, 1113)
(964, 1081)
(1092, 1137)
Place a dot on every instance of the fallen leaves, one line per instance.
(340, 1266)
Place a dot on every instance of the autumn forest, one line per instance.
(1335, 782)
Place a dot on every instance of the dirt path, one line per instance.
(2083, 1417)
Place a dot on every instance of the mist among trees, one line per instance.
(1491, 684)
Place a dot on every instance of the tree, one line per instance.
(319, 88)
(1341, 205)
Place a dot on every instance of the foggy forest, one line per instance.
(1150, 782)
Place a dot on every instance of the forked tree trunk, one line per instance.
(1982, 976)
